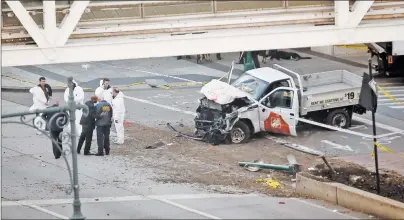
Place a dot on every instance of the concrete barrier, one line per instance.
(316, 189)
(349, 197)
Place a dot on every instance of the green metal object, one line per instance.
(248, 62)
(290, 169)
(72, 137)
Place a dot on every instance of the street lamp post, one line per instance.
(71, 104)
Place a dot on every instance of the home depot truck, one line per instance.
(273, 100)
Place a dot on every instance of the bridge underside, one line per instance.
(57, 32)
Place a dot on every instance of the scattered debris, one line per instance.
(311, 168)
(354, 178)
(271, 182)
(254, 166)
(156, 145)
(154, 83)
(391, 183)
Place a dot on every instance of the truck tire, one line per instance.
(338, 118)
(240, 133)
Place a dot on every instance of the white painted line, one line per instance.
(397, 107)
(160, 105)
(152, 73)
(358, 127)
(338, 146)
(392, 87)
(395, 96)
(202, 196)
(322, 207)
(392, 91)
(49, 212)
(388, 99)
(186, 208)
(389, 103)
(119, 199)
(380, 125)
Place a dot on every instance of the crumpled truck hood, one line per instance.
(221, 92)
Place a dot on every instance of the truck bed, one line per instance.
(331, 89)
(326, 90)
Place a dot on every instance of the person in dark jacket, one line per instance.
(88, 126)
(46, 88)
(103, 116)
(55, 131)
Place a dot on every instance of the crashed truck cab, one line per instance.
(234, 112)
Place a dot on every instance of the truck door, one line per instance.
(279, 110)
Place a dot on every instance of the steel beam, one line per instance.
(351, 18)
(359, 9)
(70, 21)
(29, 24)
(218, 41)
(49, 20)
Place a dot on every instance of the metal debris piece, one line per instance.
(254, 168)
(154, 83)
(156, 145)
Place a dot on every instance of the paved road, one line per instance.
(155, 107)
(34, 184)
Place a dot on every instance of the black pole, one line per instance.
(374, 131)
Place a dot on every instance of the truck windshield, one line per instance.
(251, 85)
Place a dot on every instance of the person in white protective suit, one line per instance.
(118, 107)
(104, 90)
(39, 102)
(78, 94)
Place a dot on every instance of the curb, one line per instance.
(349, 197)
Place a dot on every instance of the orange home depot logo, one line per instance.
(276, 124)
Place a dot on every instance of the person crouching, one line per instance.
(88, 126)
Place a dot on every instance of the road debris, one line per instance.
(354, 178)
(254, 166)
(271, 182)
(156, 145)
(391, 183)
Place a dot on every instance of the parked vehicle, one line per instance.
(390, 57)
(273, 99)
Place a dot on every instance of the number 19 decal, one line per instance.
(350, 95)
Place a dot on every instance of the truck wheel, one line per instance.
(338, 118)
(240, 133)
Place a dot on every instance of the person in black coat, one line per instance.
(55, 130)
(88, 126)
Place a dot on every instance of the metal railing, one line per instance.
(61, 117)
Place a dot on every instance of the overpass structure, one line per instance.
(45, 32)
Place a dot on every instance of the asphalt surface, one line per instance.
(34, 185)
(31, 173)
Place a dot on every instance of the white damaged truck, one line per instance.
(273, 100)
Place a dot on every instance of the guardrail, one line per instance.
(153, 17)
